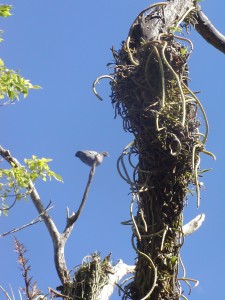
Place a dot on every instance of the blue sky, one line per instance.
(63, 48)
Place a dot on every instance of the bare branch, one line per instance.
(35, 221)
(193, 225)
(74, 217)
(208, 31)
(116, 274)
(57, 294)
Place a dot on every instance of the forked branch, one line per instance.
(58, 239)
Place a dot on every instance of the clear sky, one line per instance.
(63, 47)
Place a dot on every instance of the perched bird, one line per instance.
(88, 157)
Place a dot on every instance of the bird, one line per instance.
(89, 157)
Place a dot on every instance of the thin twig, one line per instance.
(57, 294)
(8, 208)
(36, 220)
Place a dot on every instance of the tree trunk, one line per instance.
(150, 93)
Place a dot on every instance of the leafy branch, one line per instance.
(12, 85)
(15, 181)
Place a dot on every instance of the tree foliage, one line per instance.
(12, 84)
(14, 181)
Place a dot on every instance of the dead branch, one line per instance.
(208, 31)
(116, 274)
(34, 221)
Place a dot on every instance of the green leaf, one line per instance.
(5, 10)
(15, 181)
(183, 51)
(39, 168)
(36, 87)
(19, 196)
(1, 63)
(175, 29)
(12, 84)
(56, 176)
(204, 170)
(173, 260)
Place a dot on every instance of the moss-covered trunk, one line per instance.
(150, 93)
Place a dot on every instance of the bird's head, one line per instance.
(105, 153)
